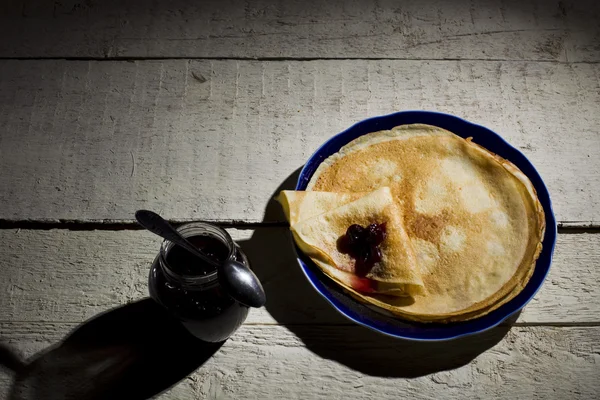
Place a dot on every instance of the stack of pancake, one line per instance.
(464, 226)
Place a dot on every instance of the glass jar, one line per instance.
(189, 288)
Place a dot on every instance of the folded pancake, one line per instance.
(299, 206)
(318, 236)
(472, 217)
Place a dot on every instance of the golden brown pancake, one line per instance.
(318, 233)
(473, 218)
(298, 205)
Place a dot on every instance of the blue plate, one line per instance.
(363, 315)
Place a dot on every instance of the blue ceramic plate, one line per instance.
(363, 315)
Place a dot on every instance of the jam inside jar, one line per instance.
(189, 288)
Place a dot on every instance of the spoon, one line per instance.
(236, 278)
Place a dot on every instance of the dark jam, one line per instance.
(182, 262)
(362, 244)
(206, 310)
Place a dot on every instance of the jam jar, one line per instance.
(189, 288)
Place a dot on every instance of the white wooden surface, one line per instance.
(563, 30)
(350, 361)
(70, 276)
(203, 110)
(90, 140)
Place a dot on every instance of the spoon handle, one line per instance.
(156, 224)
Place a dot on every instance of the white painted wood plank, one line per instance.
(430, 29)
(70, 276)
(272, 362)
(98, 140)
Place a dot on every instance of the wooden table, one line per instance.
(204, 110)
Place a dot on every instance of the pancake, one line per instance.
(472, 217)
(317, 235)
(299, 205)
